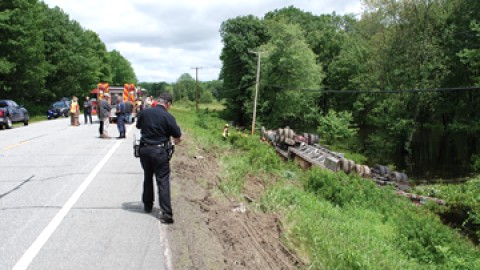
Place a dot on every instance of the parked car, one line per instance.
(58, 108)
(11, 112)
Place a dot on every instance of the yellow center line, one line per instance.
(14, 145)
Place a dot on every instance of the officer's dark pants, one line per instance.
(88, 116)
(154, 160)
(121, 124)
(100, 129)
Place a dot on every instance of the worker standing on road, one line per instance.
(74, 112)
(87, 110)
(104, 116)
(157, 127)
(120, 112)
(128, 111)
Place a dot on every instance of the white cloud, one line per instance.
(164, 39)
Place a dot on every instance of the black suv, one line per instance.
(58, 108)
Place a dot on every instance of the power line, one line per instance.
(380, 91)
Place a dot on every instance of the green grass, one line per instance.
(334, 221)
(214, 106)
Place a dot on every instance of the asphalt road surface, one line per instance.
(70, 200)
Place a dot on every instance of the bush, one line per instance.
(336, 127)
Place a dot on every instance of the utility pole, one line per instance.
(259, 54)
(180, 88)
(196, 86)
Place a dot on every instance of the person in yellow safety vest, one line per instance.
(225, 132)
(74, 112)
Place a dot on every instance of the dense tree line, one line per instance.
(44, 56)
(185, 88)
(393, 45)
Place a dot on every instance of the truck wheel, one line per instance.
(351, 165)
(367, 172)
(8, 124)
(346, 166)
(359, 169)
(395, 176)
(291, 134)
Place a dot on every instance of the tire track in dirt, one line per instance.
(214, 231)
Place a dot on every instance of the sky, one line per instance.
(165, 39)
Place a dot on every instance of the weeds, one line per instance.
(335, 221)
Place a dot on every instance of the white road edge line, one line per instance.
(167, 254)
(33, 250)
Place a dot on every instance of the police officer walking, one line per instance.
(120, 112)
(157, 127)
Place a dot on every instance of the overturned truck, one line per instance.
(305, 150)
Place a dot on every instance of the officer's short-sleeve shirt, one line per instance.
(157, 125)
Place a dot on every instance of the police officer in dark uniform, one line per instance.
(120, 112)
(157, 127)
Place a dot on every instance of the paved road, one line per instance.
(69, 200)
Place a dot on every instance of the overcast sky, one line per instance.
(164, 39)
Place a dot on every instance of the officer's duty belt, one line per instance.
(165, 144)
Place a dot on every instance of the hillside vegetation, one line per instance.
(333, 221)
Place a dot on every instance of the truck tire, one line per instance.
(291, 134)
(395, 176)
(351, 165)
(366, 171)
(382, 170)
(346, 166)
(359, 169)
(280, 132)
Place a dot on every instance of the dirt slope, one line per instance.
(213, 231)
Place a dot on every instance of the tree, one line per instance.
(122, 70)
(22, 59)
(289, 68)
(238, 71)
(185, 87)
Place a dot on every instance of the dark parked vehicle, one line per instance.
(11, 112)
(58, 108)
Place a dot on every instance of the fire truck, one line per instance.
(127, 92)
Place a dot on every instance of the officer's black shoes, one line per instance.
(166, 219)
(148, 208)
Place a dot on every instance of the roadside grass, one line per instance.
(334, 221)
(463, 204)
(32, 119)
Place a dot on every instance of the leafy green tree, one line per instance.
(336, 127)
(185, 87)
(214, 87)
(325, 34)
(122, 70)
(77, 59)
(22, 59)
(289, 68)
(239, 35)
